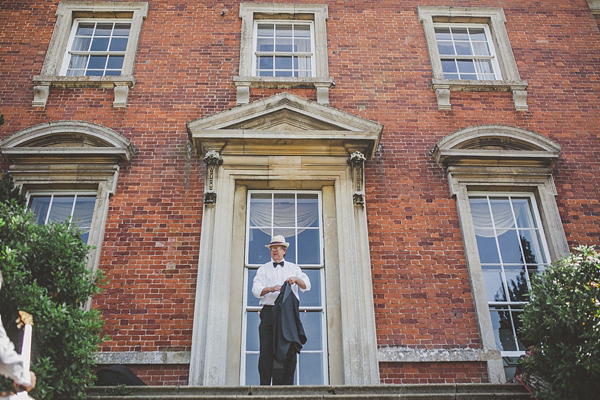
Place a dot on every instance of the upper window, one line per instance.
(467, 52)
(96, 48)
(284, 49)
(469, 49)
(282, 46)
(89, 50)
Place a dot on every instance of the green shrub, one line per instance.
(45, 274)
(563, 320)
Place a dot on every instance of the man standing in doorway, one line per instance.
(266, 285)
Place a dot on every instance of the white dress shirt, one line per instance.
(267, 275)
(11, 363)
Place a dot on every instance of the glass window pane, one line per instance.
(99, 44)
(92, 72)
(312, 298)
(115, 62)
(283, 30)
(442, 34)
(62, 207)
(481, 49)
(486, 245)
(257, 240)
(284, 209)
(121, 30)
(84, 209)
(309, 246)
(81, 44)
(477, 34)
(78, 62)
(97, 62)
(517, 283)
(494, 287)
(503, 217)
(302, 45)
(311, 369)
(283, 45)
(465, 66)
(265, 30)
(510, 250)
(450, 76)
(523, 213)
(75, 72)
(501, 323)
(85, 29)
(266, 72)
(260, 209)
(449, 66)
(252, 339)
(113, 73)
(251, 301)
(282, 62)
(284, 73)
(104, 29)
(85, 235)
(265, 63)
(472, 77)
(303, 74)
(463, 48)
(480, 211)
(252, 377)
(517, 313)
(118, 44)
(265, 44)
(302, 31)
(445, 48)
(312, 323)
(484, 68)
(460, 34)
(39, 206)
(308, 210)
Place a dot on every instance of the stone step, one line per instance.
(384, 392)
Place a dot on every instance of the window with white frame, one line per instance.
(96, 48)
(75, 208)
(467, 52)
(297, 216)
(284, 48)
(512, 248)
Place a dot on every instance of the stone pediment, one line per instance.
(284, 124)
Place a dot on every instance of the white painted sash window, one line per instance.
(297, 216)
(512, 248)
(283, 49)
(467, 52)
(96, 48)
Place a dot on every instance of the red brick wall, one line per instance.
(187, 57)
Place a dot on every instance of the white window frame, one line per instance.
(495, 19)
(543, 244)
(322, 309)
(257, 53)
(69, 52)
(66, 15)
(492, 57)
(251, 12)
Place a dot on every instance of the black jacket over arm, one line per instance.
(288, 330)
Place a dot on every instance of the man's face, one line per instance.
(277, 253)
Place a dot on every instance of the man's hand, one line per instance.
(270, 289)
(32, 379)
(293, 279)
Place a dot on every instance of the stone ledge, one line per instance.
(406, 354)
(143, 357)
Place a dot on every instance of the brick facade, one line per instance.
(187, 56)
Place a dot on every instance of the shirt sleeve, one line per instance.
(305, 278)
(258, 284)
(11, 363)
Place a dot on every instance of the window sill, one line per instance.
(443, 87)
(244, 83)
(120, 84)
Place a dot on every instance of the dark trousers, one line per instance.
(265, 359)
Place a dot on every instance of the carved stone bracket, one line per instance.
(212, 159)
(357, 162)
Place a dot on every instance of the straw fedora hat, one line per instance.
(278, 240)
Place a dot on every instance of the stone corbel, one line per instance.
(121, 92)
(520, 100)
(212, 159)
(323, 92)
(40, 94)
(442, 93)
(357, 162)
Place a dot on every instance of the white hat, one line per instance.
(278, 240)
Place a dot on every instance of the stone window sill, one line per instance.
(443, 87)
(244, 83)
(120, 84)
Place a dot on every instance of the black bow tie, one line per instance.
(275, 264)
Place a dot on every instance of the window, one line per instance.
(282, 46)
(469, 50)
(93, 45)
(512, 247)
(297, 216)
(511, 227)
(76, 209)
(283, 49)
(96, 48)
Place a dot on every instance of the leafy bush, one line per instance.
(45, 274)
(563, 320)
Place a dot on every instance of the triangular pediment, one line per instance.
(288, 123)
